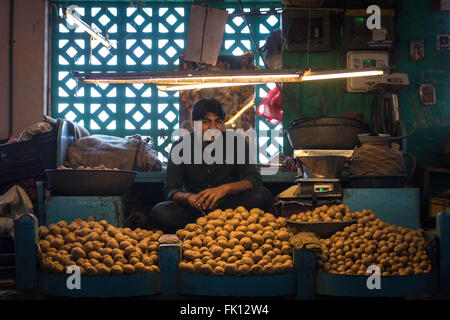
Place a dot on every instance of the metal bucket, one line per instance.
(322, 167)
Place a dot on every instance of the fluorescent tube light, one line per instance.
(351, 73)
(190, 78)
(183, 80)
(193, 86)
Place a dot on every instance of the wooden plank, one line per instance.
(4, 70)
(237, 286)
(169, 258)
(132, 285)
(101, 208)
(158, 177)
(29, 49)
(393, 286)
(443, 234)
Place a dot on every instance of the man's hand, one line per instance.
(208, 198)
(193, 201)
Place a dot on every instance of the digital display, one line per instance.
(367, 63)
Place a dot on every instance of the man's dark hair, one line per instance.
(204, 106)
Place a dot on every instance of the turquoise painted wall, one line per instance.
(415, 21)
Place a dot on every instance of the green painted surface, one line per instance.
(133, 285)
(237, 286)
(148, 36)
(415, 21)
(390, 286)
(145, 177)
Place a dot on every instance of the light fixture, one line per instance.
(73, 19)
(185, 80)
(350, 73)
(173, 78)
(194, 86)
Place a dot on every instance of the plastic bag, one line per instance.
(271, 107)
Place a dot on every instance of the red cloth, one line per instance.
(271, 107)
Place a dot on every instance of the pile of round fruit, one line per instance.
(236, 242)
(333, 213)
(370, 241)
(98, 248)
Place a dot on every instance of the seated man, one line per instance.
(195, 189)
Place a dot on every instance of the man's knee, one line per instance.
(260, 197)
(160, 214)
(160, 209)
(170, 216)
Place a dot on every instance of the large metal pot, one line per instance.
(325, 133)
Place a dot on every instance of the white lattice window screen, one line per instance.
(145, 38)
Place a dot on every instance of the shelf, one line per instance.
(158, 177)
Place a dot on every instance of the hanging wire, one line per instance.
(309, 40)
(255, 44)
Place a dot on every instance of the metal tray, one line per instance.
(321, 229)
(133, 285)
(237, 286)
(90, 182)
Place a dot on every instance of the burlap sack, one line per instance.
(131, 153)
(34, 130)
(12, 204)
(47, 125)
(377, 159)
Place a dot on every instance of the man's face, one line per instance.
(212, 121)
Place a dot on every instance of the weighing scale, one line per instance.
(321, 170)
(319, 182)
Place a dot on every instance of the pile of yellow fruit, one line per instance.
(98, 248)
(333, 213)
(370, 241)
(236, 242)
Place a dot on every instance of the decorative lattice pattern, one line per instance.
(150, 37)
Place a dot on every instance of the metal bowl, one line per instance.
(380, 138)
(90, 182)
(322, 167)
(321, 229)
(337, 133)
